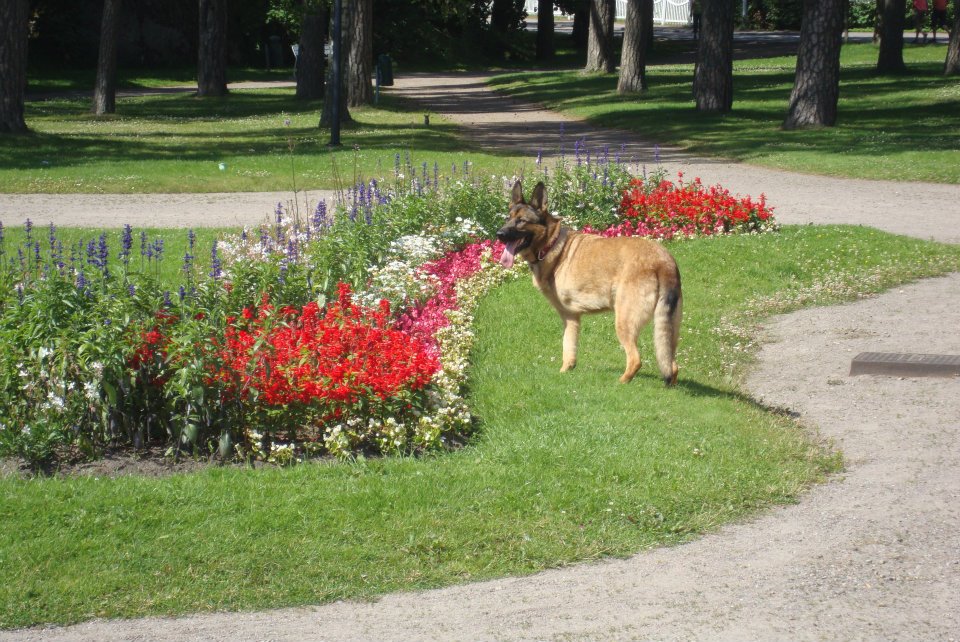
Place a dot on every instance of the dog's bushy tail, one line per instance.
(666, 331)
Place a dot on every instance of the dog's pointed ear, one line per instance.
(517, 195)
(538, 200)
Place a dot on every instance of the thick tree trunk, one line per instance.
(14, 28)
(600, 41)
(890, 58)
(105, 89)
(633, 59)
(951, 66)
(359, 49)
(581, 24)
(877, 21)
(545, 47)
(816, 88)
(311, 60)
(713, 72)
(212, 50)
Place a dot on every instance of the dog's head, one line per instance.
(528, 225)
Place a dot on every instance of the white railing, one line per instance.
(665, 12)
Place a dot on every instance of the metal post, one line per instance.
(337, 74)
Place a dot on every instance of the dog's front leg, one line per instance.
(571, 335)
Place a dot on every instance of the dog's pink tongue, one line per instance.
(506, 259)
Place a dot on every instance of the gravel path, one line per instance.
(872, 555)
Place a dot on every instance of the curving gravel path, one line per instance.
(872, 555)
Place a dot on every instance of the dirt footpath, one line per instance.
(872, 555)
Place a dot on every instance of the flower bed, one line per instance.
(345, 333)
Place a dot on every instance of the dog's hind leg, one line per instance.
(571, 336)
(630, 316)
(666, 333)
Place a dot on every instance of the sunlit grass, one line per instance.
(904, 127)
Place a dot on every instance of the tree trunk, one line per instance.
(311, 60)
(890, 58)
(581, 24)
(212, 50)
(816, 88)
(713, 72)
(877, 21)
(14, 28)
(359, 50)
(545, 48)
(951, 66)
(633, 60)
(600, 42)
(326, 115)
(105, 89)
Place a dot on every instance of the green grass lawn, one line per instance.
(904, 127)
(565, 468)
(175, 142)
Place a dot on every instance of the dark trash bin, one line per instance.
(384, 71)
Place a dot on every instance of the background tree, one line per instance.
(326, 115)
(636, 43)
(713, 72)
(545, 46)
(816, 87)
(951, 66)
(359, 50)
(105, 88)
(212, 49)
(890, 58)
(600, 41)
(312, 60)
(14, 29)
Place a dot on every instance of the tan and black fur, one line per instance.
(582, 273)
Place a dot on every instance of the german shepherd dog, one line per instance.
(582, 273)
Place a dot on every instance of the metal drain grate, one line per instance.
(906, 365)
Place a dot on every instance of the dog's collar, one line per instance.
(558, 241)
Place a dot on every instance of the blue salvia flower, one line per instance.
(191, 239)
(132, 290)
(539, 157)
(23, 261)
(158, 249)
(292, 253)
(126, 244)
(243, 235)
(20, 293)
(58, 256)
(81, 281)
(103, 254)
(183, 293)
(436, 174)
(656, 154)
(320, 214)
(143, 243)
(264, 238)
(28, 228)
(52, 237)
(167, 301)
(576, 150)
(36, 252)
(187, 262)
(92, 253)
(216, 267)
(279, 227)
(282, 278)
(466, 168)
(396, 165)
